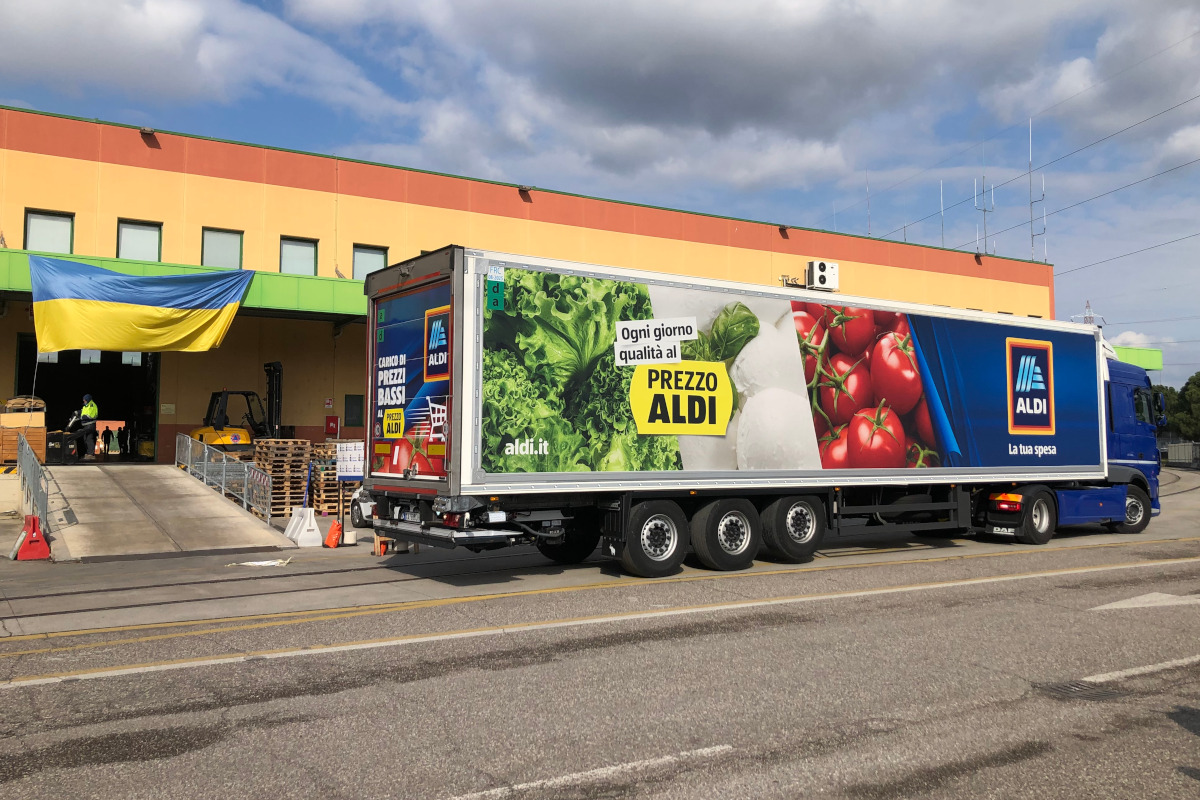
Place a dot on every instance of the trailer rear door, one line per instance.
(412, 348)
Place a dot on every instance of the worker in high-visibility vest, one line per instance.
(85, 438)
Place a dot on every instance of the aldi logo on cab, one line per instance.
(437, 344)
(1030, 386)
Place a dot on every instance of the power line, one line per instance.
(1003, 131)
(1096, 197)
(1126, 255)
(1149, 321)
(1020, 175)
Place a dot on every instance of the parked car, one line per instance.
(362, 508)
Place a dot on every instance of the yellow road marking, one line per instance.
(571, 621)
(319, 615)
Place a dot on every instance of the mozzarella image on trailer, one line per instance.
(772, 426)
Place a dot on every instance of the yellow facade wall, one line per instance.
(100, 194)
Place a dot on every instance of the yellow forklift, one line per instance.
(236, 418)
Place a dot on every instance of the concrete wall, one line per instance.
(102, 173)
(316, 366)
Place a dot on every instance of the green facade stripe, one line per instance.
(270, 291)
(1144, 357)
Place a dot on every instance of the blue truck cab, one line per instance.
(1126, 499)
(1134, 413)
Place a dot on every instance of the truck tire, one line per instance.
(1039, 520)
(576, 545)
(727, 534)
(1137, 511)
(656, 539)
(793, 527)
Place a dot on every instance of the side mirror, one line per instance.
(1161, 421)
(1160, 402)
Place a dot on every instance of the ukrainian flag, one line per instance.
(81, 307)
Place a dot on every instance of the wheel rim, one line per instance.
(733, 533)
(1133, 511)
(659, 537)
(801, 523)
(1039, 515)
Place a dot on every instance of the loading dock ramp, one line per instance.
(112, 511)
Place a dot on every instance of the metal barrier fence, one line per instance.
(34, 487)
(1183, 454)
(239, 480)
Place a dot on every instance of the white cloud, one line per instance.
(1135, 339)
(178, 50)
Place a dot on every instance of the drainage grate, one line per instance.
(1080, 690)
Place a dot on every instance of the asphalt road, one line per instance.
(894, 669)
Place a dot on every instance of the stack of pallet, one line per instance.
(286, 461)
(326, 488)
(23, 416)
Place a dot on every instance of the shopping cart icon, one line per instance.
(437, 422)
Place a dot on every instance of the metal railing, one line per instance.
(1183, 454)
(34, 487)
(238, 480)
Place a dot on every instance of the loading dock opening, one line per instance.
(123, 385)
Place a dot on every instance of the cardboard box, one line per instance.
(22, 419)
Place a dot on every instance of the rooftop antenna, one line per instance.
(868, 176)
(942, 205)
(985, 208)
(1033, 234)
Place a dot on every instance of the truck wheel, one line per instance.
(726, 534)
(656, 539)
(793, 528)
(576, 545)
(1137, 511)
(1039, 521)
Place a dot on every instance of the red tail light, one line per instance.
(1007, 502)
(452, 520)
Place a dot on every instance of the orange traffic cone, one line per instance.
(334, 538)
(33, 546)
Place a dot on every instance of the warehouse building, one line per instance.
(142, 201)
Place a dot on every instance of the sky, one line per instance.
(779, 111)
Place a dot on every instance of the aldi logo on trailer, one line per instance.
(1030, 386)
(437, 344)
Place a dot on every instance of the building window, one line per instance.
(139, 241)
(297, 256)
(49, 231)
(354, 411)
(221, 249)
(368, 259)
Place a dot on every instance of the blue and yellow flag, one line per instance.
(81, 307)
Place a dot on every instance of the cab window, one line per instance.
(1145, 406)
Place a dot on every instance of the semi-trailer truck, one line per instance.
(524, 400)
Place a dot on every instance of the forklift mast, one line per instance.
(274, 370)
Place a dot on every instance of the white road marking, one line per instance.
(1152, 600)
(1133, 672)
(594, 775)
(312, 650)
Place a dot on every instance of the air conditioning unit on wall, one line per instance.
(823, 276)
